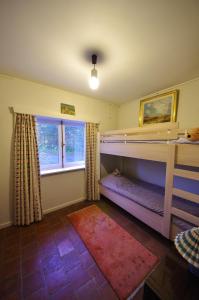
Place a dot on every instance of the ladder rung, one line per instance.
(186, 174)
(186, 195)
(185, 216)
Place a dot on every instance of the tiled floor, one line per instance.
(48, 260)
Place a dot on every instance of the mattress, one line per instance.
(148, 195)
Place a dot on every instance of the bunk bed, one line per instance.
(168, 210)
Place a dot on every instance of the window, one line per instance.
(61, 143)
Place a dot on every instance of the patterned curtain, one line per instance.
(91, 161)
(27, 193)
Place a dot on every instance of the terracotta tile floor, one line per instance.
(48, 260)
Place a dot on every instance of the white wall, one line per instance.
(188, 107)
(32, 97)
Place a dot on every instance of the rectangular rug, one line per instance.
(122, 259)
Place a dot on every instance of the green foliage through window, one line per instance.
(60, 143)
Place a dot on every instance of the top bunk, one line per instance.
(154, 142)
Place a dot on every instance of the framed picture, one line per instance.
(67, 109)
(158, 109)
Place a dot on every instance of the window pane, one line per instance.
(74, 140)
(48, 144)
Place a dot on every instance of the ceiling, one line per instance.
(144, 46)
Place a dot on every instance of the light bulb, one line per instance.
(94, 80)
(94, 83)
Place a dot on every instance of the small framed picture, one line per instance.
(158, 109)
(67, 109)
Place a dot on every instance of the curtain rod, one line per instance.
(30, 111)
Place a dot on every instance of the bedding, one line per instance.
(148, 195)
(182, 224)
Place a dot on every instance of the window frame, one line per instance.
(75, 163)
(62, 166)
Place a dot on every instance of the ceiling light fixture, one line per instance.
(94, 80)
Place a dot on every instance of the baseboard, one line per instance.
(4, 225)
(49, 210)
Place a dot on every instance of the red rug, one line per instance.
(122, 259)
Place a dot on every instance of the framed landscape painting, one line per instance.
(158, 109)
(67, 109)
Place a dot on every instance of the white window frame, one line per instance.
(62, 166)
(80, 163)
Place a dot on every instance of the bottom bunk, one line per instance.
(145, 201)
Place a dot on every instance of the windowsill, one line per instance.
(62, 170)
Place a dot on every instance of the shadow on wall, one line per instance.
(150, 171)
(109, 163)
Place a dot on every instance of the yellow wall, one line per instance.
(32, 97)
(188, 116)
(188, 107)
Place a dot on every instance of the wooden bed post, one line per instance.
(168, 190)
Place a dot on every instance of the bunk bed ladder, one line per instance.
(170, 164)
(186, 195)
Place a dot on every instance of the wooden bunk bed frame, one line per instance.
(132, 143)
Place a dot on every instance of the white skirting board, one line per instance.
(49, 210)
(6, 224)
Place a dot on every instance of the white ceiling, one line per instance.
(145, 45)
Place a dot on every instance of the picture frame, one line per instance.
(67, 109)
(158, 109)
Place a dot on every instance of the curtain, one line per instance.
(91, 161)
(27, 192)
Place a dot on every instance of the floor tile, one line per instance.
(95, 273)
(78, 277)
(89, 291)
(14, 295)
(29, 251)
(10, 268)
(32, 283)
(40, 294)
(71, 260)
(56, 280)
(12, 241)
(49, 261)
(47, 246)
(28, 230)
(108, 293)
(27, 239)
(10, 286)
(11, 253)
(31, 265)
(12, 231)
(66, 293)
(86, 260)
(64, 247)
(79, 246)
